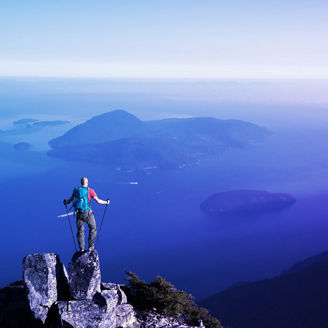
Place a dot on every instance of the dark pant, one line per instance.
(90, 220)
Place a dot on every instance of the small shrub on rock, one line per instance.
(167, 300)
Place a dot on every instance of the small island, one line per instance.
(25, 121)
(34, 123)
(22, 146)
(42, 124)
(245, 201)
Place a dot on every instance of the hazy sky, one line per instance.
(164, 39)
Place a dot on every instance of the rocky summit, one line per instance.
(50, 297)
(84, 275)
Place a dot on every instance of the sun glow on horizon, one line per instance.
(62, 69)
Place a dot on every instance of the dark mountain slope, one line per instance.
(297, 300)
(307, 262)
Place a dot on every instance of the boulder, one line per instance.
(46, 282)
(125, 314)
(100, 311)
(85, 313)
(122, 299)
(84, 275)
(107, 299)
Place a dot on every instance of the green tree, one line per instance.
(167, 300)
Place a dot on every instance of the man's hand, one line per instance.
(66, 202)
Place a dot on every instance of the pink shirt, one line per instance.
(91, 194)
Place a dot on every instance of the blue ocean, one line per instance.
(154, 225)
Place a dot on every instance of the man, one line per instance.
(82, 197)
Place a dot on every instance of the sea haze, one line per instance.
(156, 226)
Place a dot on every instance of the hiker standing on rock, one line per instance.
(81, 198)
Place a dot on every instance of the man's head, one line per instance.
(84, 182)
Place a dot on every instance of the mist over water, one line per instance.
(155, 226)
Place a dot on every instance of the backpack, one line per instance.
(81, 203)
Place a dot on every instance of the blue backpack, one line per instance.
(81, 203)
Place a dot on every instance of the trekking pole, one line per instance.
(101, 224)
(70, 225)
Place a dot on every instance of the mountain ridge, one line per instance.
(298, 298)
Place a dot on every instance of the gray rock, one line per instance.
(117, 288)
(107, 298)
(86, 314)
(126, 316)
(46, 281)
(84, 275)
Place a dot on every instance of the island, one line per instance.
(25, 121)
(42, 124)
(245, 201)
(33, 123)
(22, 146)
(124, 142)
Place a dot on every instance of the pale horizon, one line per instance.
(123, 70)
(185, 39)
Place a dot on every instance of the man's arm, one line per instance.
(100, 201)
(66, 202)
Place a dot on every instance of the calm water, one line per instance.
(156, 227)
